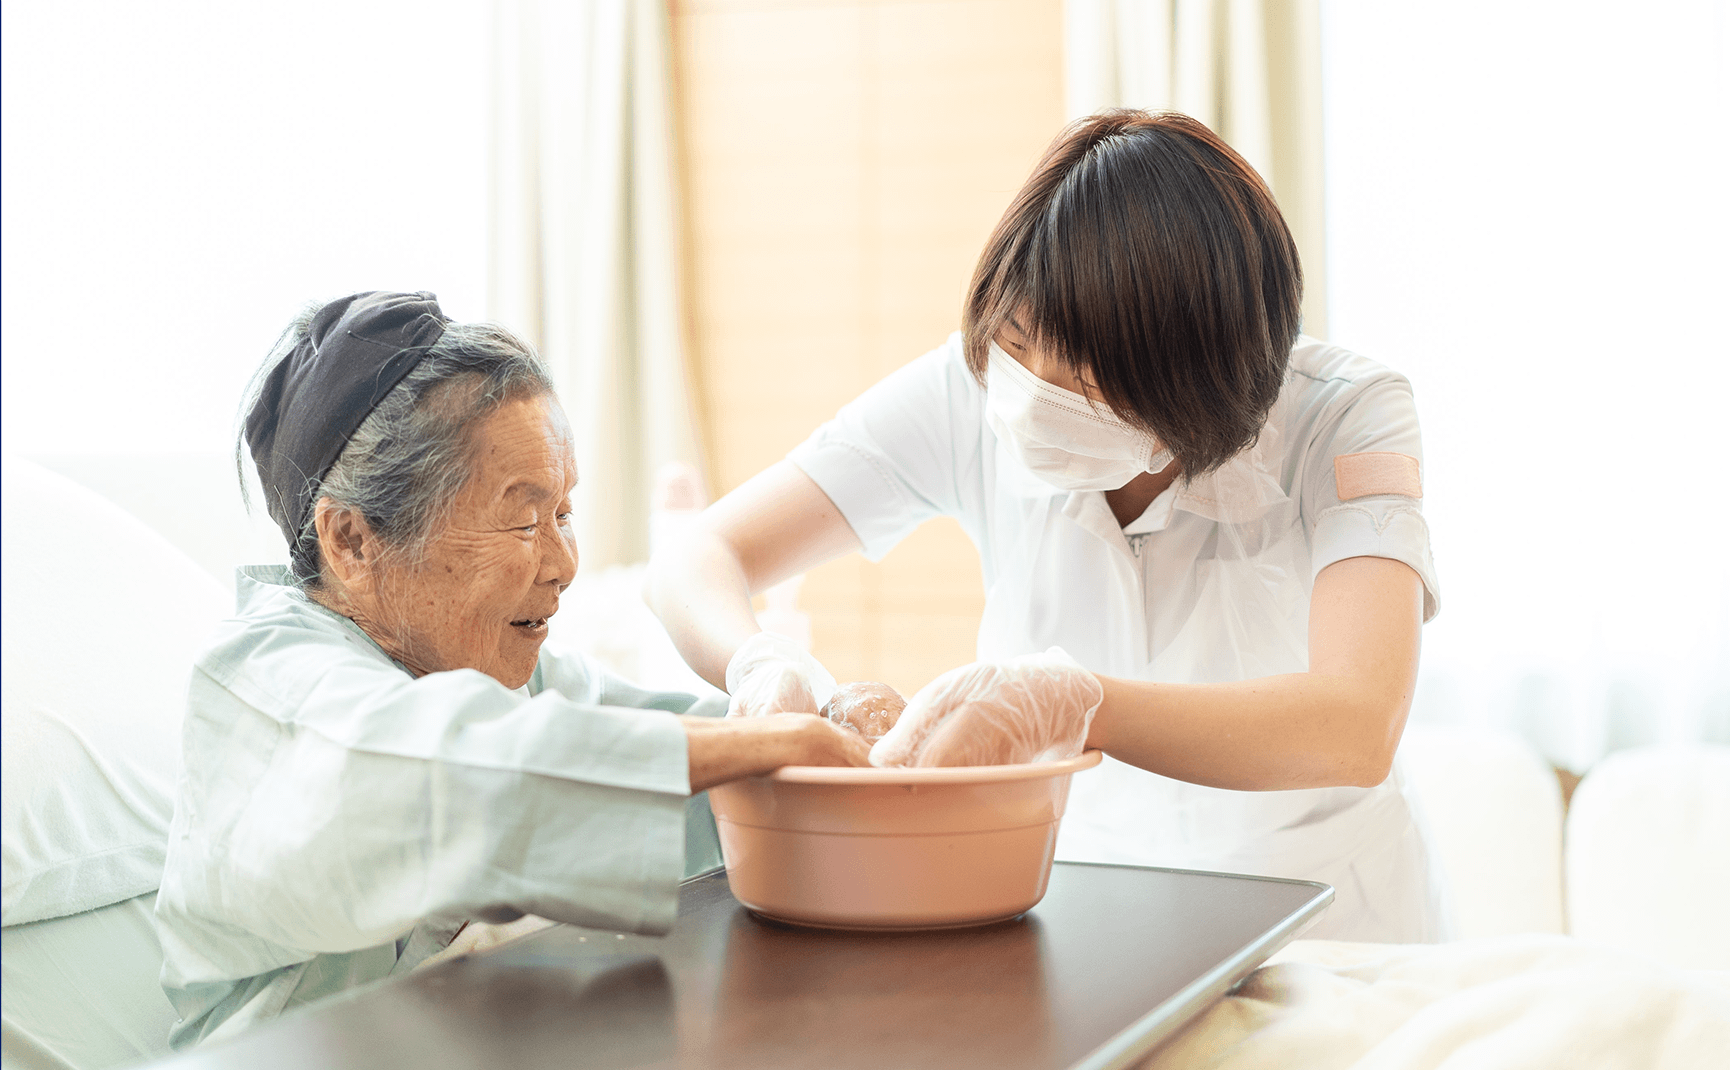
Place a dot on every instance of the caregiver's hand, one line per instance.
(1037, 707)
(771, 673)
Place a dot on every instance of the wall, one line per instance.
(843, 165)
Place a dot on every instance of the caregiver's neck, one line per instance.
(1132, 499)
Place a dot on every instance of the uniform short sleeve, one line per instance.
(902, 451)
(1362, 482)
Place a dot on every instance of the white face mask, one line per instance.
(1059, 435)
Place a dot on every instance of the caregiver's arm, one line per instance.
(777, 524)
(1337, 724)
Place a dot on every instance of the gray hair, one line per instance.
(403, 467)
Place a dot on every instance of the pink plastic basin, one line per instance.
(893, 848)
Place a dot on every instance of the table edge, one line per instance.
(1152, 1029)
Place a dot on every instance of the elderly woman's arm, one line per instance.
(336, 801)
(334, 819)
(717, 750)
(720, 751)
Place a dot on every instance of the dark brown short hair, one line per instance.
(1149, 257)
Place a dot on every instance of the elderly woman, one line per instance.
(378, 749)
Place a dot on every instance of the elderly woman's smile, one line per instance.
(479, 595)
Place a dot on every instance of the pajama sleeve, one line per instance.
(333, 801)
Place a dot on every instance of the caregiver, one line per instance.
(377, 747)
(1216, 516)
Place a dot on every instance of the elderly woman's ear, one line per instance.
(350, 549)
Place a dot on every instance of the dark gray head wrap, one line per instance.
(357, 349)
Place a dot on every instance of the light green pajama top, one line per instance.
(339, 819)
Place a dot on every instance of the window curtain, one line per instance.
(1249, 69)
(584, 255)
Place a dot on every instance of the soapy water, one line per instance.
(867, 707)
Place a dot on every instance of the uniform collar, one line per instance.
(1244, 488)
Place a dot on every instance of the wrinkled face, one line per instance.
(481, 597)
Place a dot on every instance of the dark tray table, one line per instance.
(1114, 960)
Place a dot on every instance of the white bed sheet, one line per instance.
(1536, 1001)
(82, 991)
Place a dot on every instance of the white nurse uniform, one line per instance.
(1210, 584)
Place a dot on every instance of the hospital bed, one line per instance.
(101, 617)
(1588, 934)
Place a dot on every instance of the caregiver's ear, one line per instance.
(346, 543)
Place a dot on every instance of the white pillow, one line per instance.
(100, 619)
(1649, 854)
(1495, 811)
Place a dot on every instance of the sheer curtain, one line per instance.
(584, 246)
(1526, 215)
(1249, 69)
(180, 179)
(177, 180)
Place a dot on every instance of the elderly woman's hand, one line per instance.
(735, 747)
(1037, 707)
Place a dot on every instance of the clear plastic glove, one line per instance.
(1034, 708)
(771, 673)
